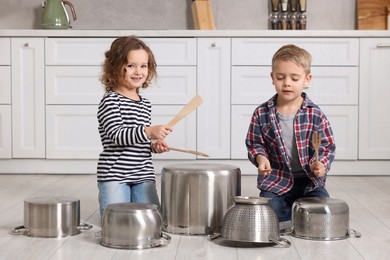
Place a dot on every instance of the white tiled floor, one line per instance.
(368, 199)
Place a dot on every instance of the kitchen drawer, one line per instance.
(72, 132)
(5, 85)
(5, 51)
(329, 85)
(325, 52)
(343, 119)
(174, 85)
(90, 51)
(81, 85)
(73, 85)
(5, 131)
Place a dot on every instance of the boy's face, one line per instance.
(289, 80)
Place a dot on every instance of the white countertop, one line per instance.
(196, 33)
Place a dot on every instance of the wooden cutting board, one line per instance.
(372, 14)
(202, 15)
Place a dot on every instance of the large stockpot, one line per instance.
(51, 217)
(195, 197)
(132, 225)
(317, 218)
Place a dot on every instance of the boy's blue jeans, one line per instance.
(117, 192)
(282, 205)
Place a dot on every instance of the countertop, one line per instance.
(197, 33)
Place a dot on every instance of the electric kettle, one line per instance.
(55, 15)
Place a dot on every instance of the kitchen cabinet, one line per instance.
(213, 129)
(374, 121)
(28, 103)
(334, 86)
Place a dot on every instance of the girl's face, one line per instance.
(289, 80)
(136, 69)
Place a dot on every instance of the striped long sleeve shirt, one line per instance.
(264, 138)
(126, 155)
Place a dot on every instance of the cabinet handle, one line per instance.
(26, 44)
(383, 45)
(213, 45)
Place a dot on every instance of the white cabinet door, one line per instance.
(374, 120)
(241, 117)
(72, 132)
(213, 129)
(28, 98)
(343, 119)
(5, 131)
(344, 122)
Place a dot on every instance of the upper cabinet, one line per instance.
(374, 122)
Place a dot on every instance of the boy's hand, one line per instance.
(318, 169)
(264, 166)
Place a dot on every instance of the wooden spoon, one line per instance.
(188, 151)
(194, 103)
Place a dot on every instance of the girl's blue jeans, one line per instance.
(282, 204)
(117, 192)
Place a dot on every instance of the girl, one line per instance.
(125, 171)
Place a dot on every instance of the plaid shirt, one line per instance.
(265, 138)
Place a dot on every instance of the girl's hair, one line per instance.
(293, 53)
(116, 59)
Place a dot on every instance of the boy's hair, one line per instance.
(291, 52)
(116, 59)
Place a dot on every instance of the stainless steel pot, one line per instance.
(321, 219)
(51, 217)
(195, 197)
(251, 219)
(132, 226)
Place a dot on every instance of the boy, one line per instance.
(280, 133)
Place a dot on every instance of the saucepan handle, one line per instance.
(282, 242)
(214, 236)
(162, 241)
(355, 233)
(84, 226)
(19, 230)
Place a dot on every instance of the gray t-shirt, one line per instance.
(287, 125)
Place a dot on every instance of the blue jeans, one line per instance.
(117, 192)
(282, 205)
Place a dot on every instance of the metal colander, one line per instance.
(321, 219)
(251, 219)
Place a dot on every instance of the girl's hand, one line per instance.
(160, 146)
(158, 131)
(318, 169)
(264, 166)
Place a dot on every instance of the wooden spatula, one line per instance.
(193, 104)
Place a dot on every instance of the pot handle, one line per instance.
(19, 230)
(84, 227)
(214, 236)
(163, 241)
(355, 233)
(282, 242)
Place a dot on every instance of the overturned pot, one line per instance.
(52, 217)
(251, 219)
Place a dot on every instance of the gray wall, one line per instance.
(175, 14)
